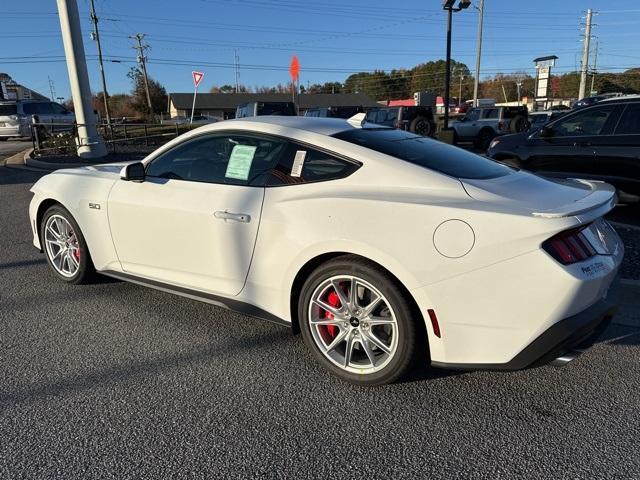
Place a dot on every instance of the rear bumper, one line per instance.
(10, 131)
(576, 332)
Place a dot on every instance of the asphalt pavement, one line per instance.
(10, 147)
(114, 380)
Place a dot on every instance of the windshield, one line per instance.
(8, 109)
(425, 152)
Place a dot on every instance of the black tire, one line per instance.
(518, 124)
(421, 126)
(411, 339)
(86, 272)
(484, 139)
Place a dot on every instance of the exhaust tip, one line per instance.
(562, 360)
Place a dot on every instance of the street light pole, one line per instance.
(90, 144)
(448, 6)
(476, 81)
(447, 76)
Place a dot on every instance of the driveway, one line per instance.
(114, 380)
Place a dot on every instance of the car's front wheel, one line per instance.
(65, 246)
(357, 321)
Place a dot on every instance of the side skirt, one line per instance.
(224, 302)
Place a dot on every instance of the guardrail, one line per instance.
(56, 137)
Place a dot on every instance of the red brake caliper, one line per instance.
(334, 301)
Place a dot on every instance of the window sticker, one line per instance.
(298, 163)
(240, 162)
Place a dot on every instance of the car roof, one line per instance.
(623, 98)
(323, 126)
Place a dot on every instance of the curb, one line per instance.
(16, 158)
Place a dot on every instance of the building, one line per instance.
(12, 90)
(223, 105)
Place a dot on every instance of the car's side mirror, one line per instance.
(545, 132)
(134, 172)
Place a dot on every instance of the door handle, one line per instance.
(236, 217)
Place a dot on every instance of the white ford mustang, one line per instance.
(380, 246)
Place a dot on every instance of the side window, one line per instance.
(392, 116)
(58, 109)
(231, 159)
(473, 114)
(37, 108)
(630, 121)
(304, 165)
(371, 116)
(490, 113)
(588, 122)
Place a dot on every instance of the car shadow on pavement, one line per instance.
(22, 263)
(134, 371)
(620, 334)
(17, 175)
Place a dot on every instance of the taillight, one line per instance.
(570, 246)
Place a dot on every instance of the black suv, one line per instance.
(600, 142)
(333, 112)
(419, 120)
(255, 109)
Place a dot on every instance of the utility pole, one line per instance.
(595, 65)
(96, 37)
(584, 65)
(460, 89)
(142, 61)
(52, 88)
(89, 143)
(237, 65)
(478, 54)
(518, 85)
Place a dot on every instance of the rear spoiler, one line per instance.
(602, 199)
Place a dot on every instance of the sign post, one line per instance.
(197, 78)
(294, 71)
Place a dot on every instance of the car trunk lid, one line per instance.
(541, 197)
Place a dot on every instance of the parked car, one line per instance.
(540, 118)
(560, 107)
(588, 101)
(333, 112)
(15, 117)
(481, 124)
(381, 246)
(413, 119)
(601, 142)
(256, 109)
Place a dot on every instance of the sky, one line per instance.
(331, 38)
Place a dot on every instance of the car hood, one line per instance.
(534, 195)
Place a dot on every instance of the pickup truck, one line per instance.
(482, 124)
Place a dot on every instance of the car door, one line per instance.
(468, 126)
(193, 222)
(565, 147)
(618, 153)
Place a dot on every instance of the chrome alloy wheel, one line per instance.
(353, 324)
(62, 246)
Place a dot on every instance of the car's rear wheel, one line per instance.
(357, 321)
(421, 126)
(65, 246)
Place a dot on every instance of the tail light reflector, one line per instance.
(434, 322)
(570, 246)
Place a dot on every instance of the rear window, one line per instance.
(425, 152)
(8, 109)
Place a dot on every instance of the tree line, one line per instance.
(387, 85)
